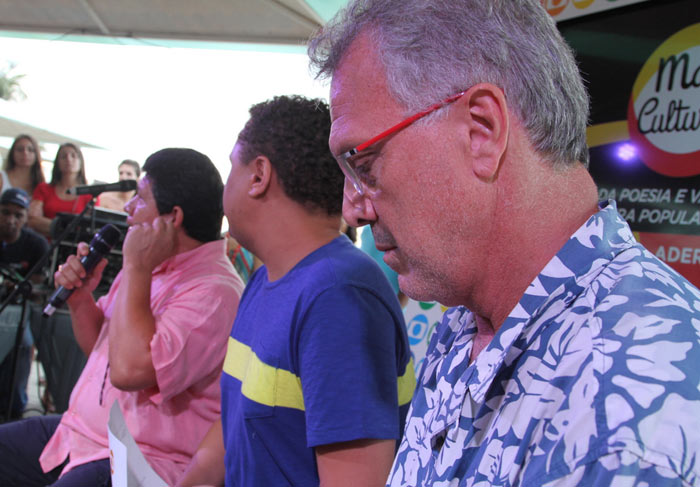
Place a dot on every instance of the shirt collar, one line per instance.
(208, 250)
(589, 249)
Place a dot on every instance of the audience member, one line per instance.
(317, 376)
(22, 168)
(571, 355)
(21, 248)
(155, 342)
(51, 198)
(242, 259)
(116, 200)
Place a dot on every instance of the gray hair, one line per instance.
(432, 49)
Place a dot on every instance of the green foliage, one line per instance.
(10, 88)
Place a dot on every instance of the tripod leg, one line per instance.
(15, 357)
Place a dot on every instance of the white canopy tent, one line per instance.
(10, 127)
(279, 22)
(269, 25)
(282, 22)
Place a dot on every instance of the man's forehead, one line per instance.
(144, 184)
(359, 78)
(12, 207)
(234, 152)
(360, 101)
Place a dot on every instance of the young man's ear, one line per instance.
(488, 127)
(260, 176)
(178, 216)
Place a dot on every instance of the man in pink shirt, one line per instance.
(155, 342)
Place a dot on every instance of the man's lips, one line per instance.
(384, 247)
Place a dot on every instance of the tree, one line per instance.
(10, 88)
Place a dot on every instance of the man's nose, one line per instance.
(358, 209)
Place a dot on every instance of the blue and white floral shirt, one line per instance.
(592, 380)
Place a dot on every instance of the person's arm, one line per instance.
(356, 328)
(207, 465)
(352, 463)
(132, 325)
(86, 316)
(37, 220)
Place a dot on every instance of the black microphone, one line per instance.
(95, 189)
(100, 245)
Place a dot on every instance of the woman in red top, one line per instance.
(51, 198)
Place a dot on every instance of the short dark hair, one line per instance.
(132, 163)
(292, 132)
(188, 179)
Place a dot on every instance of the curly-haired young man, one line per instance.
(318, 373)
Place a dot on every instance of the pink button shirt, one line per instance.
(194, 297)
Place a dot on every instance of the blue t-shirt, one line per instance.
(319, 356)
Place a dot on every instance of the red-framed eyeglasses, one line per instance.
(346, 160)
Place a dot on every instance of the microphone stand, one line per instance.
(24, 288)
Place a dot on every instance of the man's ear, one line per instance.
(488, 127)
(178, 216)
(260, 176)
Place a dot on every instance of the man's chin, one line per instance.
(391, 258)
(416, 294)
(425, 289)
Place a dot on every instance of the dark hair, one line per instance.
(56, 172)
(132, 163)
(36, 173)
(188, 179)
(292, 132)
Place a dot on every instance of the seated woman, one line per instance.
(115, 200)
(23, 165)
(52, 198)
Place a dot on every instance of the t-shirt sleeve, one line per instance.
(348, 361)
(40, 192)
(191, 335)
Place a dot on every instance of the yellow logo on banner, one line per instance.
(663, 114)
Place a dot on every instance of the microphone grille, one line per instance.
(106, 238)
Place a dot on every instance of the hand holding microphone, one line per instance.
(84, 270)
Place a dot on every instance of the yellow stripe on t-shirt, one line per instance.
(260, 382)
(407, 384)
(270, 386)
